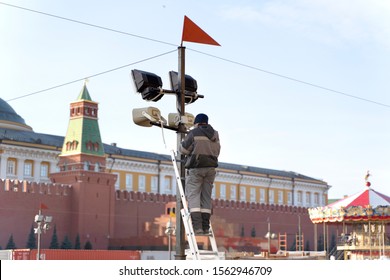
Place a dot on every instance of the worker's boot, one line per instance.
(196, 218)
(206, 223)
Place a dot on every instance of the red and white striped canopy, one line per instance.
(366, 197)
(366, 205)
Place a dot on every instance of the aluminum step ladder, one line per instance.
(195, 253)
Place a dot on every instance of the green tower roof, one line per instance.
(83, 135)
(84, 94)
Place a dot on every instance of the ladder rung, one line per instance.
(208, 254)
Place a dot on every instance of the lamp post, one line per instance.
(170, 231)
(184, 87)
(42, 226)
(269, 235)
(180, 98)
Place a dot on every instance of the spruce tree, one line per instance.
(307, 245)
(253, 232)
(54, 239)
(88, 245)
(11, 244)
(293, 246)
(77, 244)
(66, 243)
(242, 231)
(31, 242)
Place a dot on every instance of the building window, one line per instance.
(262, 195)
(11, 166)
(289, 198)
(129, 182)
(222, 191)
(252, 194)
(233, 192)
(316, 199)
(299, 198)
(242, 193)
(97, 167)
(154, 184)
(141, 183)
(271, 199)
(308, 198)
(71, 145)
(44, 170)
(168, 184)
(28, 169)
(117, 182)
(280, 197)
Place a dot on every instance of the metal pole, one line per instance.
(370, 238)
(383, 235)
(170, 238)
(269, 238)
(180, 241)
(315, 238)
(39, 236)
(299, 233)
(324, 233)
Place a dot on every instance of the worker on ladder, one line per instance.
(201, 147)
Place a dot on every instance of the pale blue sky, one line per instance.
(264, 120)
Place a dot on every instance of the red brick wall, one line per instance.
(133, 212)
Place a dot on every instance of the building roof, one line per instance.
(10, 119)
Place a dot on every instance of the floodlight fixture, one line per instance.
(191, 86)
(38, 218)
(148, 84)
(147, 116)
(174, 119)
(190, 83)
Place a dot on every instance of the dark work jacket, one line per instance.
(201, 146)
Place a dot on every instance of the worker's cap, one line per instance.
(201, 118)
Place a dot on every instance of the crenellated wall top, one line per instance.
(123, 195)
(24, 186)
(254, 206)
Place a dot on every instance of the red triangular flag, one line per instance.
(193, 33)
(43, 206)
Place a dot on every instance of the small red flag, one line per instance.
(193, 33)
(43, 206)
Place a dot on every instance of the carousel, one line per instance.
(363, 218)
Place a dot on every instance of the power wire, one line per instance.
(292, 79)
(88, 24)
(162, 42)
(91, 76)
